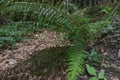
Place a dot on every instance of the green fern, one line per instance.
(45, 16)
(48, 16)
(76, 54)
(58, 4)
(75, 65)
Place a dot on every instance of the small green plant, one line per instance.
(106, 9)
(104, 65)
(7, 42)
(93, 72)
(93, 57)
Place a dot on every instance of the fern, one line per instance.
(47, 16)
(7, 42)
(75, 65)
(58, 4)
(34, 15)
(76, 54)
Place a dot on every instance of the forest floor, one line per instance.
(10, 59)
(110, 49)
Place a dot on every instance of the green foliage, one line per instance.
(93, 57)
(16, 32)
(76, 53)
(58, 4)
(101, 74)
(94, 78)
(93, 10)
(47, 14)
(75, 65)
(82, 20)
(93, 72)
(29, 16)
(95, 30)
(99, 10)
(106, 9)
(46, 61)
(7, 42)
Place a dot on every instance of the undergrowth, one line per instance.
(26, 17)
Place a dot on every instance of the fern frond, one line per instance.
(75, 65)
(49, 14)
(76, 54)
(58, 4)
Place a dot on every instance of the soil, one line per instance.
(111, 59)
